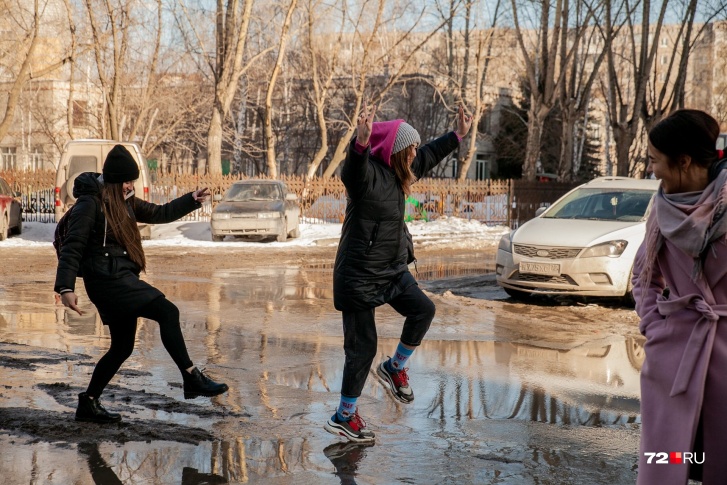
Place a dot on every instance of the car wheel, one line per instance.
(635, 352)
(628, 298)
(4, 226)
(517, 294)
(295, 232)
(217, 238)
(283, 235)
(19, 228)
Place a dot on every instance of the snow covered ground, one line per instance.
(450, 232)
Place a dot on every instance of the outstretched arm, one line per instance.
(149, 213)
(355, 172)
(429, 155)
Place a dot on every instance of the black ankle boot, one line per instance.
(90, 410)
(198, 384)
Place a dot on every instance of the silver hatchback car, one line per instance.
(256, 209)
(584, 244)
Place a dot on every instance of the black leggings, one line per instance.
(360, 341)
(123, 334)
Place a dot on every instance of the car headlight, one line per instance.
(506, 242)
(220, 215)
(268, 215)
(612, 249)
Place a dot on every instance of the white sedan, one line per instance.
(583, 244)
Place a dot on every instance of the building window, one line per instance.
(35, 157)
(9, 158)
(454, 167)
(80, 114)
(664, 42)
(664, 60)
(482, 167)
(662, 77)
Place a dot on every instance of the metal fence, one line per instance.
(38, 206)
(495, 202)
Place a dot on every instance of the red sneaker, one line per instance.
(396, 382)
(353, 429)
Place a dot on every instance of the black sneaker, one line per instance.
(92, 411)
(396, 382)
(197, 384)
(353, 429)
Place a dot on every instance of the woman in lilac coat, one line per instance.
(683, 382)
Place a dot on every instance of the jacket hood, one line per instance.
(87, 183)
(383, 136)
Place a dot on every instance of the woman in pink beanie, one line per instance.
(374, 252)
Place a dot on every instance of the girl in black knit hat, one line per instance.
(371, 268)
(104, 243)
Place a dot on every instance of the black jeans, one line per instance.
(123, 334)
(360, 340)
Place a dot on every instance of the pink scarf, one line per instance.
(690, 221)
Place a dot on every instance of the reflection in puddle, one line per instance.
(273, 334)
(589, 386)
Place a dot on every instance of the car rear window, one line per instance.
(602, 204)
(82, 163)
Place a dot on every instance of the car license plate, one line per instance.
(531, 267)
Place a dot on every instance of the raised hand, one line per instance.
(364, 124)
(464, 122)
(200, 195)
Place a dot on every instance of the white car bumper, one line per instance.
(595, 276)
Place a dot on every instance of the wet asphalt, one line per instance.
(544, 392)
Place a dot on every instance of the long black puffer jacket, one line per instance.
(111, 278)
(375, 247)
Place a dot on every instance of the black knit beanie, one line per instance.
(120, 166)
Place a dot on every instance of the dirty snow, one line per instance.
(445, 231)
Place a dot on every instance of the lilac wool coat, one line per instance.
(684, 376)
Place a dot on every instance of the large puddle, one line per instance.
(519, 407)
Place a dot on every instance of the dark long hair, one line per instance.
(403, 172)
(122, 225)
(687, 132)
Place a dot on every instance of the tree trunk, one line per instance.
(536, 118)
(268, 122)
(214, 143)
(567, 141)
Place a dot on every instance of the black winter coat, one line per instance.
(375, 248)
(111, 278)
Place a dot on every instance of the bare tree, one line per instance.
(323, 60)
(376, 50)
(628, 76)
(575, 94)
(477, 100)
(268, 122)
(22, 55)
(227, 64)
(544, 68)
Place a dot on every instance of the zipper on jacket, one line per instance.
(373, 238)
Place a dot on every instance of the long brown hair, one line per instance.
(122, 225)
(402, 169)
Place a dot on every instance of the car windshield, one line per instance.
(602, 204)
(246, 192)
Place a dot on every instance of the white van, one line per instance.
(88, 156)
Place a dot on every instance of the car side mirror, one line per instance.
(539, 211)
(217, 197)
(17, 194)
(291, 196)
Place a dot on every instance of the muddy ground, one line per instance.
(507, 392)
